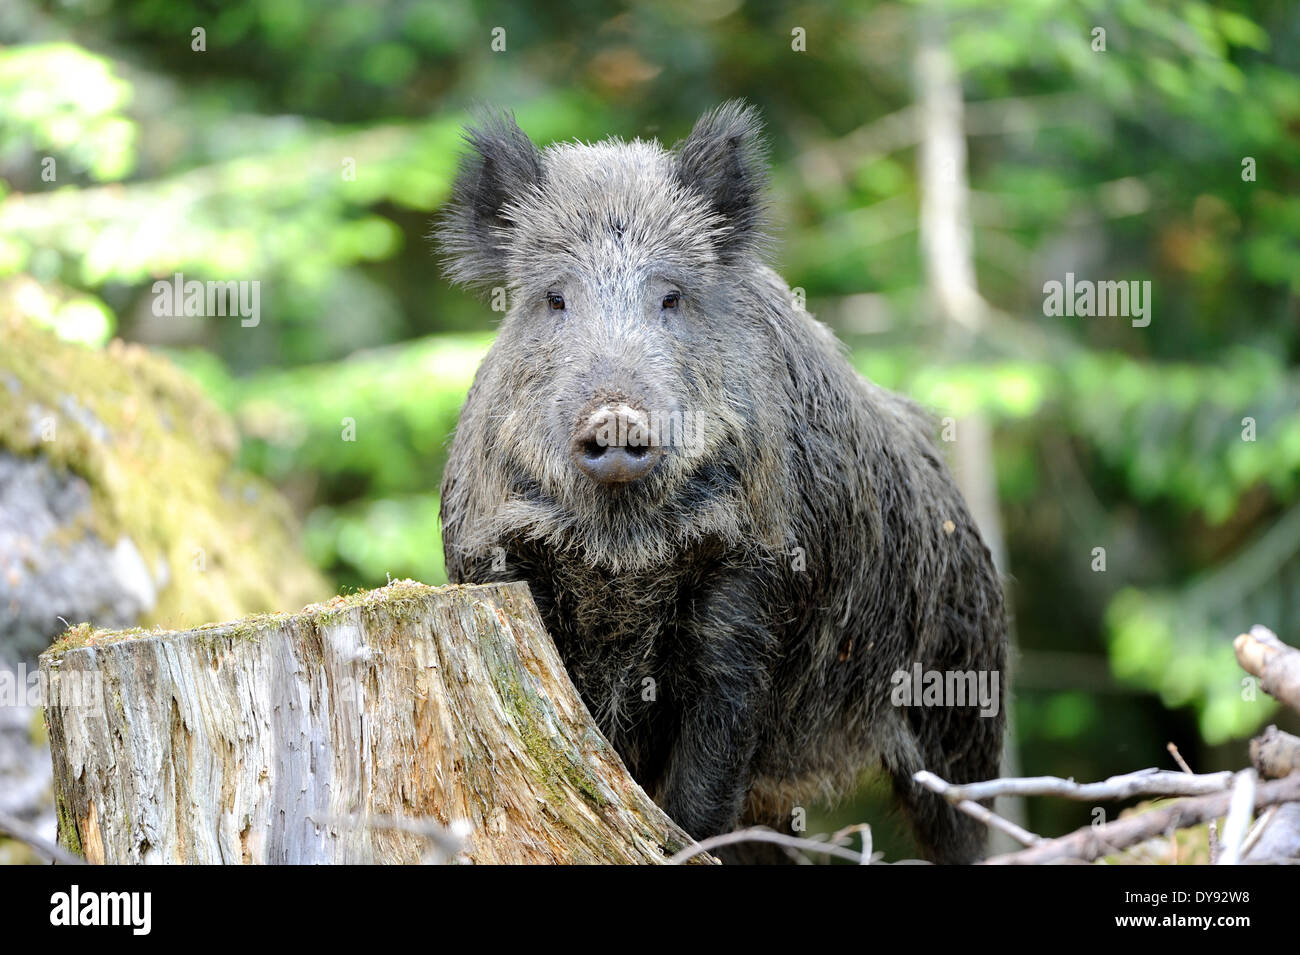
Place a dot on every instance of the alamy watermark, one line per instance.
(103, 908)
(178, 298)
(921, 687)
(77, 689)
(652, 430)
(1085, 298)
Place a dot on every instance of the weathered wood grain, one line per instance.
(272, 739)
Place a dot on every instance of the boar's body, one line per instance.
(733, 616)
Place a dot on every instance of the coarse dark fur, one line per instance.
(734, 618)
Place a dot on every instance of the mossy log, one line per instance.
(346, 733)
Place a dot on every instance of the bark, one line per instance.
(1277, 665)
(1275, 753)
(1280, 838)
(383, 727)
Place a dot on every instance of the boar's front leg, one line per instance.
(720, 681)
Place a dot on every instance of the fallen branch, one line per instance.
(1277, 665)
(1275, 753)
(1277, 833)
(1144, 782)
(1093, 842)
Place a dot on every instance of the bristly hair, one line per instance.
(501, 182)
(725, 159)
(502, 165)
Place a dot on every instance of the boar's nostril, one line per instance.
(613, 445)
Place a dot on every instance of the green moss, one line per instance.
(553, 764)
(159, 460)
(399, 600)
(68, 836)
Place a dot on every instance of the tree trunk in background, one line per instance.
(947, 249)
(403, 724)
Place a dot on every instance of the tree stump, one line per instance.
(347, 733)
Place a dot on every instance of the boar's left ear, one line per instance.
(724, 159)
(502, 164)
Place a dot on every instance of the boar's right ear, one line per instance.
(724, 160)
(502, 164)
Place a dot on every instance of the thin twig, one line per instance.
(1257, 830)
(1178, 758)
(842, 836)
(973, 809)
(758, 834)
(1212, 832)
(17, 829)
(1145, 782)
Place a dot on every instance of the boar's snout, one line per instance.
(614, 444)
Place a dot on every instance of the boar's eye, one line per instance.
(555, 300)
(671, 300)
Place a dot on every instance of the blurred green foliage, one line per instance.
(308, 146)
(64, 99)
